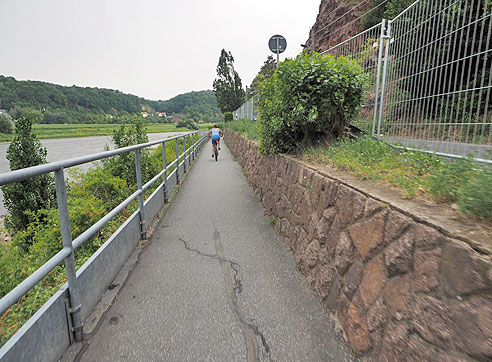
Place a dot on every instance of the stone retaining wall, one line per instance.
(401, 289)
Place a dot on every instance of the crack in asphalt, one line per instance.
(234, 287)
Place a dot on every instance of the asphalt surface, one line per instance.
(216, 284)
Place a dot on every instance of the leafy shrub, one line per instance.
(187, 123)
(476, 195)
(307, 100)
(228, 117)
(446, 181)
(6, 124)
(25, 197)
(123, 165)
(244, 127)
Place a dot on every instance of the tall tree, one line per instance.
(227, 87)
(24, 198)
(266, 71)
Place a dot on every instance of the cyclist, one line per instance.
(216, 133)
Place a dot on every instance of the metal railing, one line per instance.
(191, 143)
(430, 71)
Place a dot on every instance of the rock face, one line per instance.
(401, 289)
(337, 21)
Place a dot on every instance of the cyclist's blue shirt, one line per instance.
(215, 132)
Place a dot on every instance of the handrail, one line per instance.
(25, 173)
(69, 246)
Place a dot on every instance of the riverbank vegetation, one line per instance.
(91, 195)
(48, 131)
(48, 103)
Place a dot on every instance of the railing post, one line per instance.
(193, 136)
(380, 58)
(190, 146)
(66, 233)
(177, 161)
(385, 70)
(184, 154)
(138, 169)
(164, 165)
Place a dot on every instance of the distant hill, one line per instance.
(52, 103)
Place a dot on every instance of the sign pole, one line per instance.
(278, 50)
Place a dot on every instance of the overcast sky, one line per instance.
(155, 49)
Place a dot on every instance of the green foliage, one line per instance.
(266, 71)
(384, 10)
(307, 100)
(187, 123)
(227, 87)
(200, 106)
(244, 127)
(476, 195)
(54, 104)
(6, 124)
(123, 165)
(24, 198)
(462, 181)
(228, 117)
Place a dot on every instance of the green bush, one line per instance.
(308, 101)
(6, 124)
(244, 127)
(476, 195)
(187, 123)
(25, 197)
(228, 117)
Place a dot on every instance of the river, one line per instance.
(64, 148)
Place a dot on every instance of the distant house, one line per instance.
(3, 111)
(176, 119)
(162, 114)
(145, 114)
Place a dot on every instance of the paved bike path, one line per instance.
(216, 284)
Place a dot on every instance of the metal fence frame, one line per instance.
(192, 142)
(415, 51)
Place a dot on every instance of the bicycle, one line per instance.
(216, 151)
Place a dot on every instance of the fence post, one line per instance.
(138, 169)
(177, 161)
(164, 166)
(380, 58)
(66, 233)
(184, 155)
(190, 147)
(385, 70)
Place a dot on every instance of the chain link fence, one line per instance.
(430, 72)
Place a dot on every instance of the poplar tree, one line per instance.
(227, 87)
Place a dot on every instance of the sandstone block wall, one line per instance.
(402, 290)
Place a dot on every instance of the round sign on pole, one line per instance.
(277, 44)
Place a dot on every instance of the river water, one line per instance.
(64, 148)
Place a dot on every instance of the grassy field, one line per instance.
(45, 131)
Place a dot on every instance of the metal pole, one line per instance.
(380, 58)
(184, 154)
(164, 165)
(177, 161)
(385, 69)
(190, 148)
(278, 41)
(141, 210)
(66, 233)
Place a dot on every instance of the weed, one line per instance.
(272, 220)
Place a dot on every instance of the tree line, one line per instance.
(44, 102)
